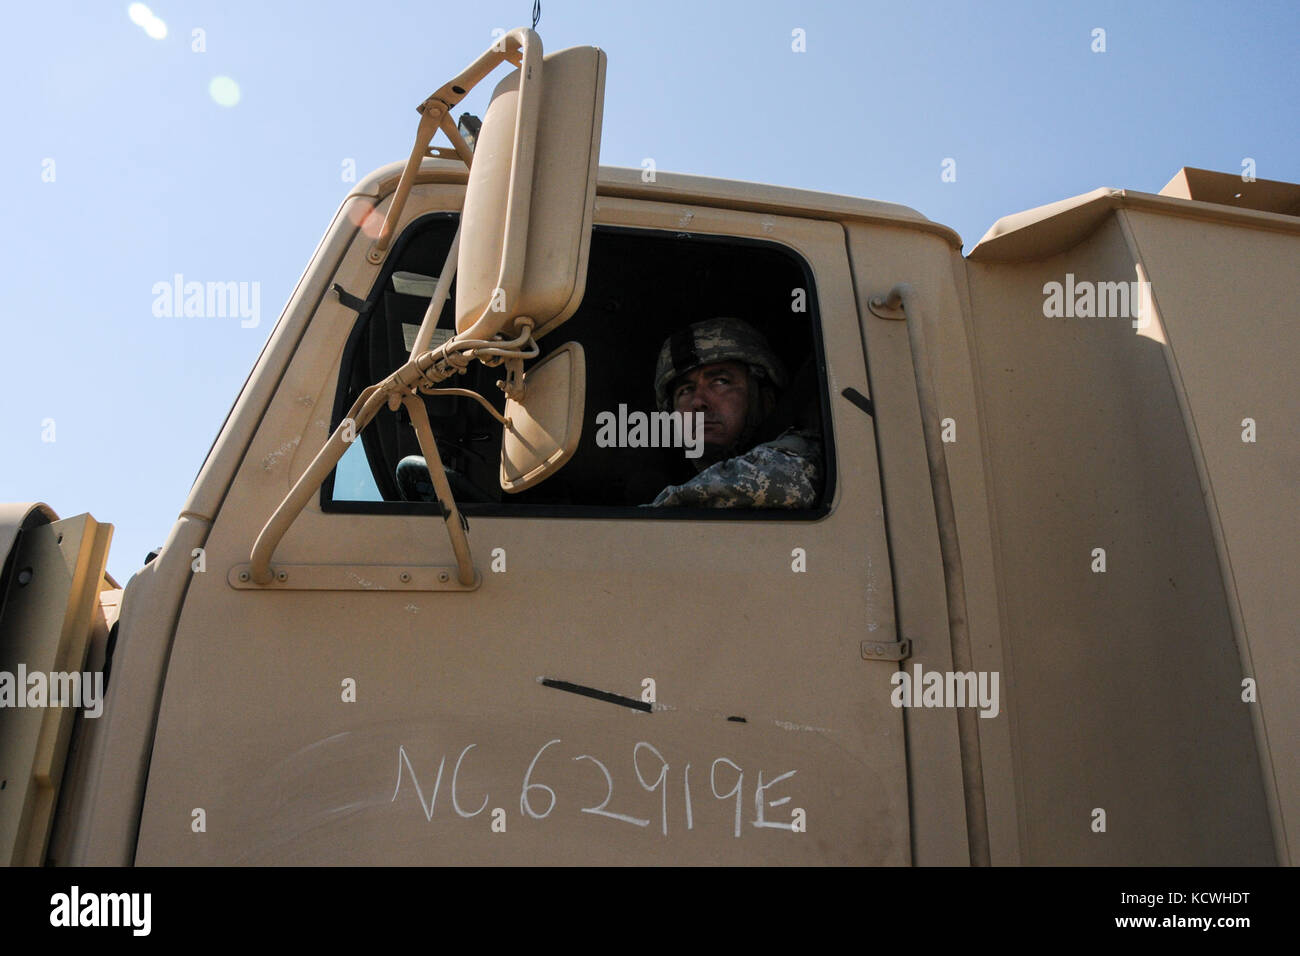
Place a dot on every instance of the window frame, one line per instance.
(329, 505)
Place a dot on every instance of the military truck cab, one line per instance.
(1037, 575)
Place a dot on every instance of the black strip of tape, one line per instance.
(597, 694)
(860, 400)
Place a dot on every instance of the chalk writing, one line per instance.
(609, 782)
(651, 780)
(524, 805)
(455, 773)
(740, 782)
(663, 775)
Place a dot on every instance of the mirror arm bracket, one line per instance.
(363, 410)
(458, 143)
(513, 384)
(451, 514)
(435, 392)
(520, 47)
(393, 391)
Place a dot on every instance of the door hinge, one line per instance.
(886, 650)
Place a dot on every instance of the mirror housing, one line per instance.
(526, 222)
(544, 432)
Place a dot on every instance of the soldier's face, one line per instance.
(721, 392)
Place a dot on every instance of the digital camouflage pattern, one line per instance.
(714, 340)
(782, 473)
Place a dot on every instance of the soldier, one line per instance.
(724, 368)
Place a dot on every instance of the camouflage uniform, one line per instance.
(783, 473)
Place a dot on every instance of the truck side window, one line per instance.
(644, 287)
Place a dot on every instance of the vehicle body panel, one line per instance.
(1121, 690)
(324, 780)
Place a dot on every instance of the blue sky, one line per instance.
(124, 170)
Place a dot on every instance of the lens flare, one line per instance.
(144, 18)
(224, 91)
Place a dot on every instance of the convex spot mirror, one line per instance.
(526, 222)
(546, 426)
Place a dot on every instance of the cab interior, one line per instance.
(642, 285)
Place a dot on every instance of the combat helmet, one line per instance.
(714, 340)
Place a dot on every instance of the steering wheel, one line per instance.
(414, 483)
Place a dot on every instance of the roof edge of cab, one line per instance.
(1056, 227)
(627, 183)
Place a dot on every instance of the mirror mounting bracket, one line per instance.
(520, 47)
(513, 383)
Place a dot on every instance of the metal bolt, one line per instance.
(243, 575)
(282, 576)
(406, 577)
(24, 576)
(444, 577)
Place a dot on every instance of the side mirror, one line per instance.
(521, 251)
(526, 224)
(544, 432)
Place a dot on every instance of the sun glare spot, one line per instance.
(144, 18)
(373, 224)
(224, 91)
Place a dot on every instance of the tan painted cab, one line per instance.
(1039, 613)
